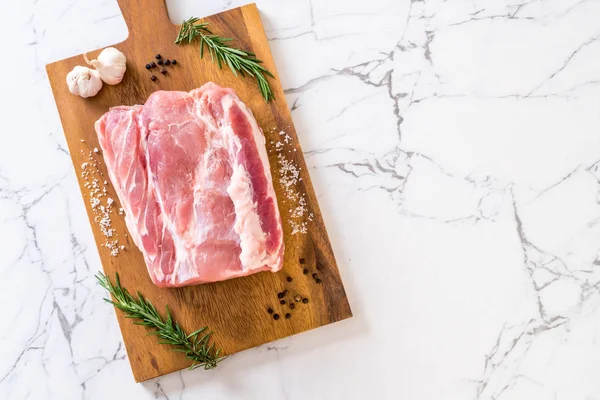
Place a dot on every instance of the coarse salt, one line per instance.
(101, 212)
(289, 176)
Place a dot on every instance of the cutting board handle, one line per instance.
(144, 17)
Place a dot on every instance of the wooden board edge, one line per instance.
(140, 380)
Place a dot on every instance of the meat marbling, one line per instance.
(192, 174)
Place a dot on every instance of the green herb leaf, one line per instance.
(141, 309)
(237, 60)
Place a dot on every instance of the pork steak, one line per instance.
(192, 174)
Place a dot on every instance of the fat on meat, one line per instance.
(192, 174)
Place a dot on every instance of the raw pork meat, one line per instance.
(192, 173)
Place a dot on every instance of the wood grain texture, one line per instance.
(235, 310)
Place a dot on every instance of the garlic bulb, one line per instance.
(84, 82)
(111, 65)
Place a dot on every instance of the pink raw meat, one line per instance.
(192, 173)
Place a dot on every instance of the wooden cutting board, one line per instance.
(235, 310)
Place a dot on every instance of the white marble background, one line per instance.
(454, 147)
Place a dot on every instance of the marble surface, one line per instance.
(454, 146)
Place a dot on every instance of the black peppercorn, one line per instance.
(319, 267)
(153, 77)
(305, 271)
(289, 279)
(148, 66)
(270, 310)
(158, 56)
(160, 62)
(305, 300)
(163, 71)
(302, 261)
(292, 306)
(282, 301)
(288, 316)
(167, 62)
(315, 276)
(318, 280)
(174, 62)
(280, 295)
(153, 65)
(275, 317)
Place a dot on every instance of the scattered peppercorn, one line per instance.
(153, 77)
(167, 62)
(280, 295)
(319, 267)
(288, 316)
(275, 317)
(318, 280)
(148, 66)
(305, 272)
(315, 276)
(282, 301)
(292, 306)
(270, 310)
(174, 62)
(289, 279)
(163, 71)
(153, 65)
(302, 261)
(297, 298)
(160, 62)
(158, 56)
(305, 300)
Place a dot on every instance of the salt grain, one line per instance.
(101, 212)
(289, 176)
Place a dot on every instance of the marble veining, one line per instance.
(455, 151)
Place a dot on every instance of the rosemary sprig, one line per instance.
(219, 49)
(195, 345)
